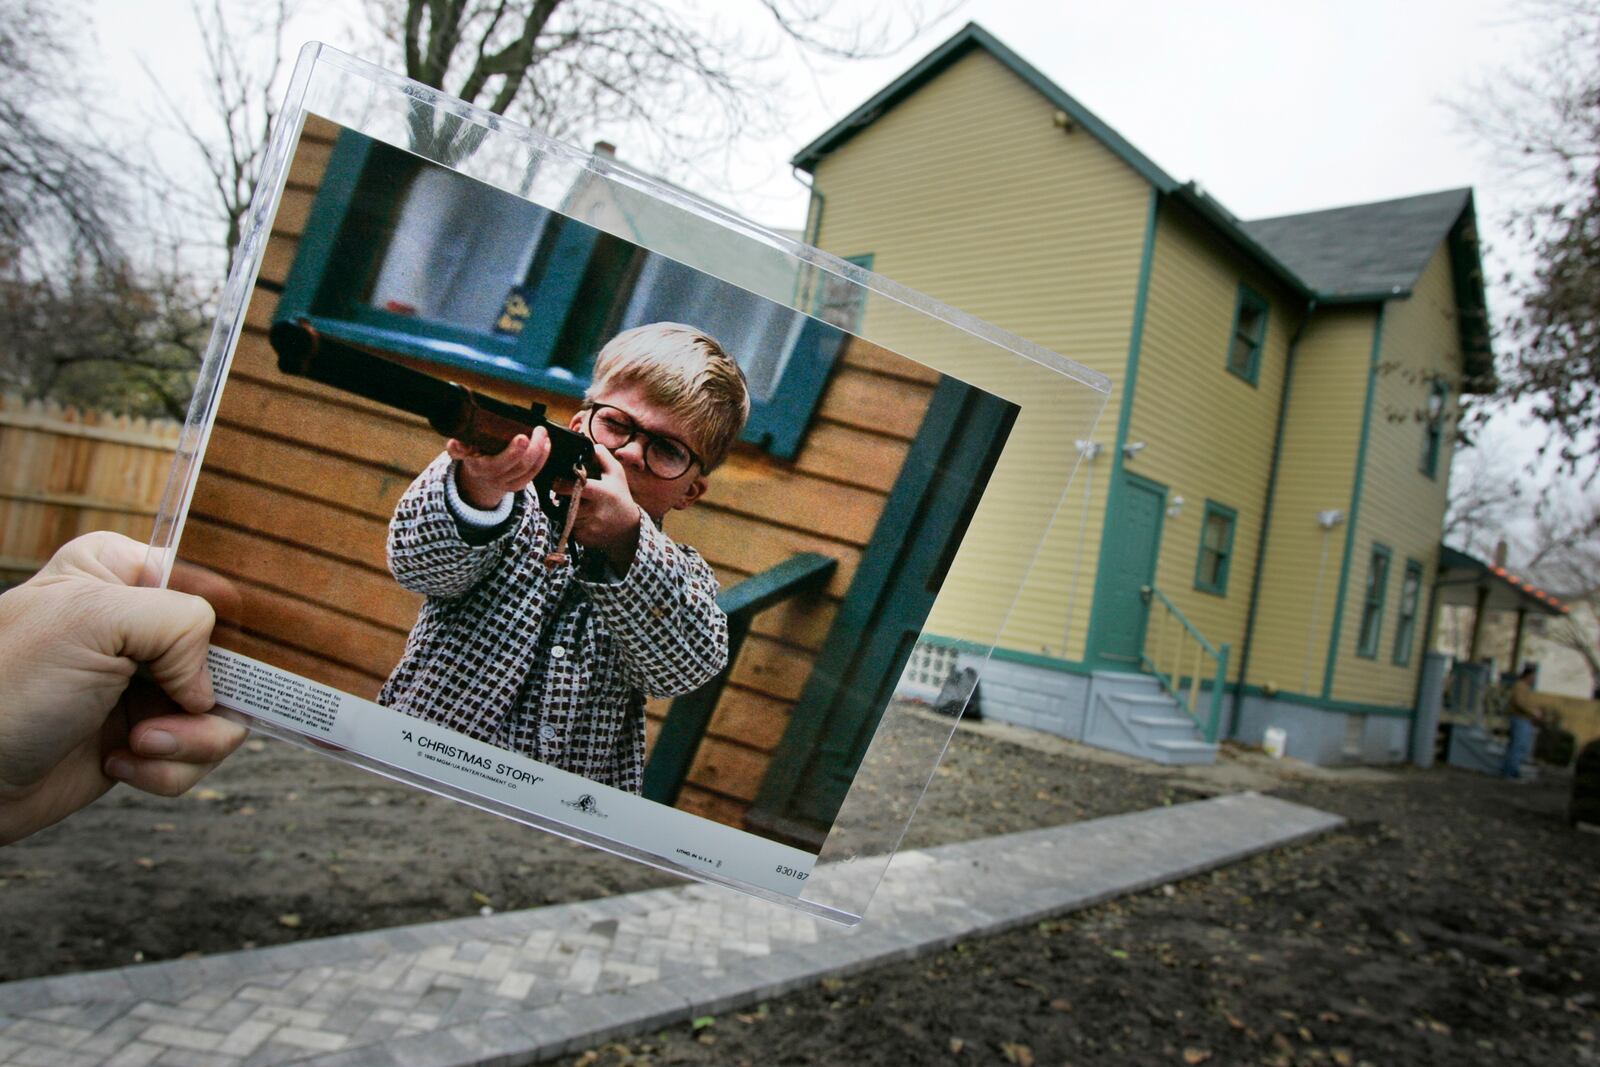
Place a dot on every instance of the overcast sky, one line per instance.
(1273, 107)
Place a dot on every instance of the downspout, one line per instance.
(813, 230)
(1266, 520)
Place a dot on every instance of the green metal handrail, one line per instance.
(1172, 681)
(690, 714)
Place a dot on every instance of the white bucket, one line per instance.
(1275, 740)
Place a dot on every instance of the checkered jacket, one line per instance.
(553, 664)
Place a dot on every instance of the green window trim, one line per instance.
(1405, 629)
(1215, 556)
(1247, 337)
(552, 352)
(1433, 427)
(1377, 591)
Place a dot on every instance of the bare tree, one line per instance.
(1544, 124)
(58, 194)
(244, 57)
(1485, 499)
(676, 75)
(106, 338)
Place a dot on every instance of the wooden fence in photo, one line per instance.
(64, 472)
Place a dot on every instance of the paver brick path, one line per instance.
(523, 986)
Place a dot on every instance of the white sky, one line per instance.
(1274, 107)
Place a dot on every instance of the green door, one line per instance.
(1128, 566)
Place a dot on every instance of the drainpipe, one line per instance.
(1266, 521)
(813, 230)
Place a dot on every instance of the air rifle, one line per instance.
(453, 410)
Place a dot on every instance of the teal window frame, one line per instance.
(542, 356)
(1405, 630)
(1433, 429)
(1225, 553)
(1373, 601)
(1247, 300)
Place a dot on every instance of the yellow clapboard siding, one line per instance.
(968, 192)
(1401, 507)
(1317, 473)
(1208, 432)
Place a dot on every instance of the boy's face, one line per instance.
(657, 495)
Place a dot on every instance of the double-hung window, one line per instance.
(1372, 602)
(1249, 334)
(1405, 628)
(1433, 427)
(1216, 548)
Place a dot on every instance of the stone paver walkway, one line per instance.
(523, 986)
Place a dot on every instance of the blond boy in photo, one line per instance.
(556, 663)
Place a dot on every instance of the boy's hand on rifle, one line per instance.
(485, 480)
(609, 518)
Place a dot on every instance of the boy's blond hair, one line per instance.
(684, 371)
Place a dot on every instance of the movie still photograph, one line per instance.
(572, 507)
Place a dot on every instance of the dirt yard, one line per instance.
(1456, 919)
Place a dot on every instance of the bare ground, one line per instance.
(1455, 919)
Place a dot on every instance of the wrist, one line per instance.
(620, 550)
(477, 492)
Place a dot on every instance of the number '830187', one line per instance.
(790, 872)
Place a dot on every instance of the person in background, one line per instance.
(101, 681)
(1525, 717)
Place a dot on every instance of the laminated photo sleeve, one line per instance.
(742, 698)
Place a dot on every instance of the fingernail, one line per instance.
(118, 767)
(157, 743)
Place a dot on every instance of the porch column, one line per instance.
(1477, 623)
(1516, 642)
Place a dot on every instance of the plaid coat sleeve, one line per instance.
(664, 616)
(427, 553)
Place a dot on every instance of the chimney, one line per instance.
(1500, 553)
(606, 149)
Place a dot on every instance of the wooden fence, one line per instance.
(64, 472)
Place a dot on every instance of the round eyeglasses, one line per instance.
(664, 457)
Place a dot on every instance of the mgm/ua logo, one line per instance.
(588, 805)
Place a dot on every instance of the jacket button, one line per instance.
(547, 732)
(559, 651)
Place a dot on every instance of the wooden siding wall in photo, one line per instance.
(299, 483)
(65, 472)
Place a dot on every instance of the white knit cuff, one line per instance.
(474, 516)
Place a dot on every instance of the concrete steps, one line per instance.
(1130, 713)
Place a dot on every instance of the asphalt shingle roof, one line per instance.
(1363, 249)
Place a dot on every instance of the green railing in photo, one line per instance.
(690, 714)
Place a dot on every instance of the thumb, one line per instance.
(166, 630)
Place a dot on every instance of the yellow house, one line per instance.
(1254, 529)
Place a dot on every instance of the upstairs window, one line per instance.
(1216, 548)
(1249, 334)
(1372, 602)
(1433, 427)
(1406, 625)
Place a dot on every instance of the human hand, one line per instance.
(485, 480)
(74, 719)
(608, 517)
